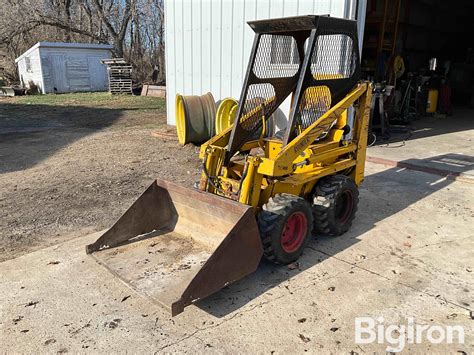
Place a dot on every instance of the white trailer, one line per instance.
(56, 67)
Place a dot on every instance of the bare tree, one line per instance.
(134, 27)
(122, 20)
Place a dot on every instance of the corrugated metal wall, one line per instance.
(208, 42)
(32, 72)
(74, 69)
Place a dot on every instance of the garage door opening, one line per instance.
(420, 55)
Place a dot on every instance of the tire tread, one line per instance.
(324, 200)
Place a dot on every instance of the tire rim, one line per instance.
(294, 232)
(344, 206)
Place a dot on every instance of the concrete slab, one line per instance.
(408, 255)
(439, 145)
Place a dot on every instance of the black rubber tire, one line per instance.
(272, 220)
(334, 195)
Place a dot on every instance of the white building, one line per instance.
(208, 42)
(64, 67)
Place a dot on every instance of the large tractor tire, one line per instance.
(285, 225)
(335, 201)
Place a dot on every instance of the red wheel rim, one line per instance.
(294, 232)
(344, 206)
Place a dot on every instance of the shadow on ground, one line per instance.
(445, 164)
(382, 195)
(31, 133)
(429, 126)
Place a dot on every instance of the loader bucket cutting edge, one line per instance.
(178, 245)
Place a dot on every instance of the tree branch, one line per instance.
(104, 19)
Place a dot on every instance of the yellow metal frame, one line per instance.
(270, 168)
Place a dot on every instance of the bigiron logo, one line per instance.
(369, 330)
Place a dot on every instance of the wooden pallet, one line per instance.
(154, 90)
(120, 76)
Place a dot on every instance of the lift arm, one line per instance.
(282, 164)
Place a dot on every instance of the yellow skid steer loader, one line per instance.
(259, 195)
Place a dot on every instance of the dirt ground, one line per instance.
(71, 164)
(408, 254)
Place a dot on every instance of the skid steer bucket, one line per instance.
(178, 245)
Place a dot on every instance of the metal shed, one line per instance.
(64, 67)
(208, 43)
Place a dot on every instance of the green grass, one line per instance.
(93, 99)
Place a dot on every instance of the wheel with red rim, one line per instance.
(285, 224)
(335, 201)
(294, 231)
